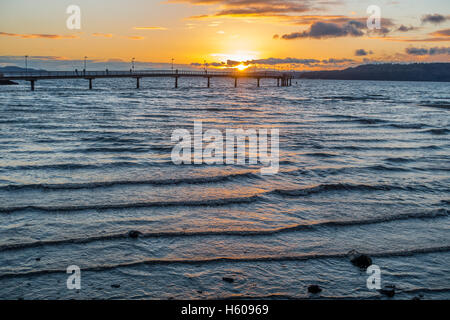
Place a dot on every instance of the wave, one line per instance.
(361, 120)
(386, 168)
(306, 191)
(408, 125)
(273, 296)
(440, 131)
(113, 139)
(191, 203)
(372, 148)
(425, 290)
(103, 184)
(320, 154)
(238, 233)
(241, 259)
(437, 105)
(399, 159)
(364, 120)
(72, 166)
(127, 149)
(360, 98)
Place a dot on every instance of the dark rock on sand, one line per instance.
(134, 234)
(388, 291)
(314, 288)
(360, 260)
(228, 279)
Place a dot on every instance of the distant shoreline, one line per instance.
(429, 72)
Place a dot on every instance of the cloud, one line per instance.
(362, 52)
(430, 52)
(43, 58)
(252, 8)
(321, 30)
(58, 63)
(434, 18)
(441, 33)
(276, 62)
(36, 36)
(404, 28)
(134, 37)
(437, 36)
(150, 28)
(416, 51)
(338, 19)
(105, 35)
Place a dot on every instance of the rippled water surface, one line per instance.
(363, 165)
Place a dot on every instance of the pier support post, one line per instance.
(90, 84)
(235, 82)
(258, 82)
(32, 84)
(278, 82)
(176, 82)
(137, 83)
(209, 82)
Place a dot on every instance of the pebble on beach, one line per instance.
(388, 291)
(314, 289)
(228, 279)
(360, 260)
(134, 234)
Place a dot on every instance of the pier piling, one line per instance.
(32, 84)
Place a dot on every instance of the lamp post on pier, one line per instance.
(84, 70)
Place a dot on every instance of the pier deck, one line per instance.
(283, 79)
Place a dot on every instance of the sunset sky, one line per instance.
(288, 34)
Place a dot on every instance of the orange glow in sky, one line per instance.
(294, 34)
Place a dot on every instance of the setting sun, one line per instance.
(239, 56)
(242, 67)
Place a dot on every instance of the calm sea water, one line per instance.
(363, 165)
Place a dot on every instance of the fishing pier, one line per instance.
(282, 79)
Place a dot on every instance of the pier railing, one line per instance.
(134, 73)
